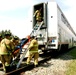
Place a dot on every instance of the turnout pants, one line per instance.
(6, 60)
(31, 55)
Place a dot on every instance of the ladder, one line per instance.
(36, 29)
(33, 33)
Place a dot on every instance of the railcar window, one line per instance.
(70, 40)
(66, 22)
(63, 19)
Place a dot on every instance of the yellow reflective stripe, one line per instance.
(33, 51)
(5, 53)
(35, 45)
(13, 48)
(35, 63)
(8, 46)
(6, 64)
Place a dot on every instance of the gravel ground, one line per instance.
(56, 66)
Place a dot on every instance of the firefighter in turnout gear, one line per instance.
(6, 48)
(0, 42)
(15, 41)
(38, 15)
(33, 51)
(0, 38)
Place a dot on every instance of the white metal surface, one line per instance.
(57, 26)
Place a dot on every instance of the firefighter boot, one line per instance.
(7, 69)
(4, 69)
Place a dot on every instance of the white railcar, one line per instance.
(56, 32)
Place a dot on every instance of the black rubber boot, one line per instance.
(35, 65)
(13, 67)
(8, 69)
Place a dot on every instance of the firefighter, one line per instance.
(0, 41)
(33, 51)
(38, 15)
(15, 41)
(6, 48)
(0, 37)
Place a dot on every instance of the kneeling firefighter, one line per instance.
(6, 48)
(33, 51)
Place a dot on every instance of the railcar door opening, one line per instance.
(43, 13)
(42, 34)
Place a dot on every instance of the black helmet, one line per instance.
(16, 38)
(7, 34)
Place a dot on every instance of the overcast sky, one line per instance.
(15, 15)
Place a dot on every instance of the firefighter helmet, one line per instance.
(16, 38)
(7, 34)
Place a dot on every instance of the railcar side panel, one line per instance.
(52, 25)
(65, 31)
